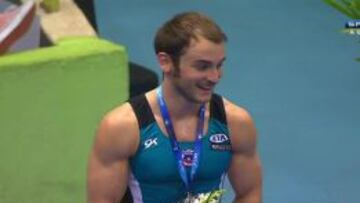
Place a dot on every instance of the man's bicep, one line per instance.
(108, 168)
(245, 169)
(107, 180)
(245, 177)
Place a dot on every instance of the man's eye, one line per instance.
(202, 66)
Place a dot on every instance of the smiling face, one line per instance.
(198, 71)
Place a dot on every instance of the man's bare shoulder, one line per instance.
(236, 113)
(118, 131)
(242, 128)
(121, 117)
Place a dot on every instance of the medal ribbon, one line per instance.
(175, 144)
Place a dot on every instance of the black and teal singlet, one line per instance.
(154, 174)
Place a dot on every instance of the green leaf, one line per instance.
(346, 2)
(346, 7)
(214, 195)
(355, 10)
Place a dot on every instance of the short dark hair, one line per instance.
(175, 35)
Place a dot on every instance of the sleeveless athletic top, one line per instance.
(154, 176)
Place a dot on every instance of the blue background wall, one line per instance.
(290, 66)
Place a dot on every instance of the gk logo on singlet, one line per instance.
(150, 142)
(220, 142)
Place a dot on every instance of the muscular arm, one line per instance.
(108, 167)
(245, 170)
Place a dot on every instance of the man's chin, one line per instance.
(204, 98)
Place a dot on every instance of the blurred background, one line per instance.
(291, 67)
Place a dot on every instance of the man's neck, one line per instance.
(178, 106)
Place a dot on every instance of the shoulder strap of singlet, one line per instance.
(142, 110)
(145, 116)
(217, 109)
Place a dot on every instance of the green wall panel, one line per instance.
(51, 101)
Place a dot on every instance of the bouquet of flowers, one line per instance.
(210, 197)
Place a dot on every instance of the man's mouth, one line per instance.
(206, 88)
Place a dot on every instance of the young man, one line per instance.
(178, 140)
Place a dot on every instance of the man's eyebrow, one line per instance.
(203, 61)
(208, 61)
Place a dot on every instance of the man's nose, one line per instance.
(214, 74)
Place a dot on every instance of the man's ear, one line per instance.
(165, 62)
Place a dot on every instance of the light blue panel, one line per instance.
(290, 66)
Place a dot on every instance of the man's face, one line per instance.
(200, 69)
